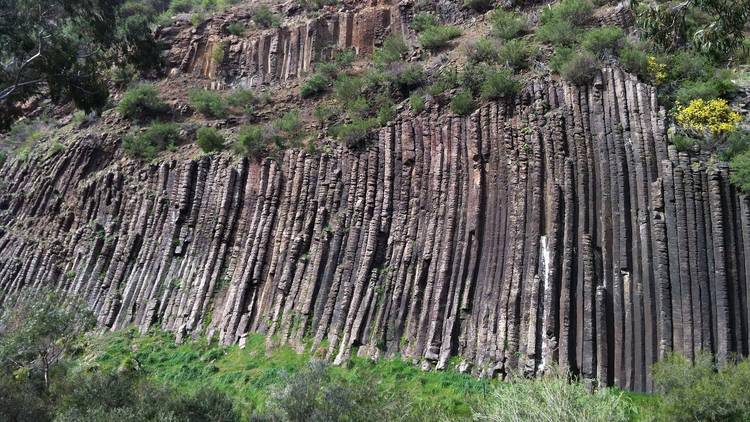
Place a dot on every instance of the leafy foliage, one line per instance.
(157, 137)
(209, 103)
(553, 398)
(209, 139)
(499, 84)
(393, 48)
(423, 20)
(463, 103)
(507, 24)
(701, 391)
(712, 118)
(265, 18)
(314, 85)
(141, 102)
(515, 54)
(438, 36)
(603, 40)
(580, 69)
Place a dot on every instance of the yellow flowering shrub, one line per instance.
(658, 71)
(708, 117)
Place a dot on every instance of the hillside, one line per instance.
(364, 199)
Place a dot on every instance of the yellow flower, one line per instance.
(658, 71)
(714, 116)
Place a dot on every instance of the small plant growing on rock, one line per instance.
(515, 53)
(355, 134)
(141, 102)
(603, 40)
(251, 143)
(437, 37)
(484, 50)
(236, 28)
(499, 84)
(580, 69)
(314, 85)
(423, 20)
(463, 103)
(208, 103)
(156, 138)
(265, 18)
(393, 48)
(209, 139)
(416, 102)
(506, 24)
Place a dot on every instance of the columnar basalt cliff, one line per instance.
(277, 54)
(560, 228)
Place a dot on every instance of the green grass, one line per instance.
(248, 375)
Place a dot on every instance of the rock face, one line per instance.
(559, 228)
(273, 55)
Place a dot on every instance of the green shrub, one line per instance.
(463, 103)
(580, 69)
(355, 134)
(515, 53)
(251, 143)
(560, 58)
(386, 113)
(141, 102)
(553, 398)
(265, 18)
(507, 24)
(345, 58)
(347, 88)
(719, 86)
(314, 85)
(558, 32)
(218, 52)
(416, 102)
(423, 20)
(736, 143)
(437, 37)
(446, 79)
(236, 28)
(634, 60)
(603, 40)
(3, 158)
(323, 113)
(317, 4)
(700, 391)
(687, 65)
(407, 77)
(393, 48)
(483, 50)
(158, 137)
(683, 143)
(197, 18)
(241, 98)
(572, 12)
(474, 76)
(208, 103)
(478, 5)
(499, 84)
(209, 139)
(180, 6)
(290, 124)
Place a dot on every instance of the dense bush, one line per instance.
(250, 142)
(474, 76)
(560, 58)
(507, 24)
(265, 18)
(553, 398)
(236, 28)
(516, 54)
(423, 20)
(580, 69)
(702, 392)
(444, 80)
(355, 134)
(558, 32)
(634, 60)
(463, 103)
(483, 50)
(416, 102)
(603, 40)
(314, 85)
(406, 77)
(707, 119)
(438, 36)
(242, 98)
(718, 86)
(393, 48)
(209, 139)
(156, 138)
(208, 103)
(141, 102)
(573, 12)
(499, 84)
